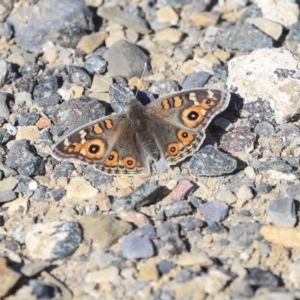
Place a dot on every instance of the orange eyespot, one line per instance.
(173, 149)
(93, 149)
(185, 137)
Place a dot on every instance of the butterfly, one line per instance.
(170, 128)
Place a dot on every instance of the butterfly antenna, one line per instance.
(112, 86)
(143, 73)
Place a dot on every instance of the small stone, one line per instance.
(6, 196)
(43, 123)
(275, 163)
(184, 275)
(65, 169)
(134, 247)
(147, 231)
(264, 128)
(215, 282)
(182, 54)
(4, 110)
(171, 35)
(32, 269)
(284, 236)
(8, 184)
(95, 64)
(80, 188)
(209, 161)
(189, 259)
(27, 119)
(19, 205)
(190, 223)
(42, 290)
(214, 211)
(196, 201)
(53, 240)
(111, 229)
(30, 133)
(226, 196)
(282, 212)
(203, 18)
(137, 218)
(125, 19)
(132, 64)
(9, 277)
(165, 266)
(293, 191)
(243, 37)
(244, 192)
(168, 228)
(196, 79)
(238, 140)
(109, 274)
(79, 76)
(272, 29)
(182, 189)
(142, 195)
(243, 235)
(294, 34)
(261, 278)
(148, 270)
(175, 209)
(89, 43)
(167, 14)
(58, 194)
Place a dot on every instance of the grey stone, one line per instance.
(64, 169)
(178, 208)
(6, 30)
(184, 275)
(214, 211)
(165, 266)
(33, 167)
(72, 114)
(134, 247)
(4, 110)
(95, 64)
(67, 21)
(288, 129)
(147, 231)
(190, 223)
(282, 212)
(261, 278)
(293, 191)
(212, 162)
(144, 194)
(164, 87)
(264, 128)
(168, 228)
(275, 163)
(243, 37)
(132, 63)
(120, 97)
(194, 80)
(27, 119)
(7, 196)
(294, 34)
(79, 76)
(95, 176)
(30, 69)
(244, 234)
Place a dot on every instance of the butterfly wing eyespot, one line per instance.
(173, 149)
(185, 137)
(112, 159)
(129, 162)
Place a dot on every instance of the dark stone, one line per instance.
(275, 163)
(143, 195)
(29, 69)
(164, 87)
(27, 119)
(216, 228)
(165, 266)
(33, 167)
(65, 169)
(214, 211)
(60, 21)
(4, 108)
(95, 64)
(178, 208)
(95, 176)
(209, 161)
(58, 194)
(190, 223)
(120, 97)
(42, 290)
(195, 201)
(260, 278)
(243, 37)
(168, 228)
(195, 80)
(79, 76)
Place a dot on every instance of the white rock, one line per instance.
(280, 87)
(285, 12)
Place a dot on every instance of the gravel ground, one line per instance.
(222, 224)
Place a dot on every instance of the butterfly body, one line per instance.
(171, 127)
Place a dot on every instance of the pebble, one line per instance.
(214, 211)
(66, 21)
(6, 196)
(226, 196)
(203, 19)
(9, 277)
(8, 184)
(282, 212)
(190, 223)
(30, 133)
(138, 219)
(264, 128)
(109, 274)
(89, 43)
(125, 19)
(80, 188)
(189, 259)
(95, 64)
(272, 29)
(4, 111)
(32, 269)
(196, 79)
(135, 247)
(243, 37)
(167, 14)
(132, 63)
(294, 32)
(148, 270)
(165, 266)
(96, 177)
(175, 209)
(168, 228)
(52, 240)
(142, 195)
(209, 161)
(171, 35)
(244, 192)
(79, 76)
(182, 189)
(293, 191)
(243, 235)
(241, 139)
(110, 231)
